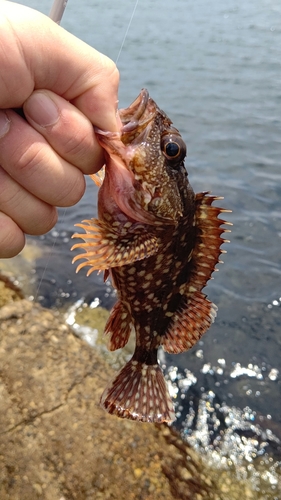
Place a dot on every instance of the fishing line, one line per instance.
(127, 31)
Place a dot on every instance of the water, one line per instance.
(214, 67)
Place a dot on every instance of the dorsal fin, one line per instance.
(196, 313)
(208, 240)
(113, 245)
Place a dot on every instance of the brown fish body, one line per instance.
(160, 243)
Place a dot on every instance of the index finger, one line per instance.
(36, 53)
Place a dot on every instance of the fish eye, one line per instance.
(173, 147)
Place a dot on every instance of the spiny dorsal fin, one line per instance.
(118, 326)
(113, 245)
(196, 313)
(139, 392)
(208, 240)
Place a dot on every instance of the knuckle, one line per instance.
(73, 190)
(24, 161)
(12, 239)
(9, 195)
(111, 71)
(108, 64)
(32, 159)
(44, 221)
(77, 145)
(114, 74)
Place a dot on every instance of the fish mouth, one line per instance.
(136, 122)
(136, 118)
(131, 115)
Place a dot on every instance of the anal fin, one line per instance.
(112, 245)
(139, 392)
(118, 326)
(192, 320)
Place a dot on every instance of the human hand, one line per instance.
(64, 87)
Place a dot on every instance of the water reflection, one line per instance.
(240, 440)
(225, 435)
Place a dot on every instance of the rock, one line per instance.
(55, 441)
(9, 291)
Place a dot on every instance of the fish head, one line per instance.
(145, 163)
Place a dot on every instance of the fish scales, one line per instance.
(159, 243)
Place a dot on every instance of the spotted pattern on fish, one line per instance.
(159, 243)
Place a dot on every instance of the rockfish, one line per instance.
(159, 243)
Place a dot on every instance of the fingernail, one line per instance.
(4, 124)
(41, 109)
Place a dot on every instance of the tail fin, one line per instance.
(139, 392)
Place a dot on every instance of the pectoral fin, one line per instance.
(113, 245)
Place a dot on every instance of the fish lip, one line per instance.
(131, 115)
(136, 120)
(136, 117)
(139, 113)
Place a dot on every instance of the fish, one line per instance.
(159, 242)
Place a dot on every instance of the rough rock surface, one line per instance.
(8, 290)
(55, 441)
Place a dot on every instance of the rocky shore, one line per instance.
(56, 443)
